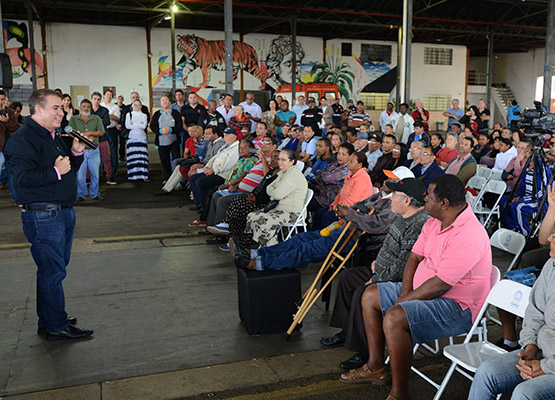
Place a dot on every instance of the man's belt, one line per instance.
(44, 207)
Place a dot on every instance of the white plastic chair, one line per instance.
(483, 172)
(495, 176)
(300, 165)
(467, 357)
(509, 241)
(481, 210)
(300, 221)
(477, 183)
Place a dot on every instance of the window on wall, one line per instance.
(436, 102)
(438, 56)
(375, 53)
(346, 49)
(375, 101)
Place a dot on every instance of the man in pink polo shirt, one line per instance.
(445, 283)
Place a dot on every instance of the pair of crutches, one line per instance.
(312, 294)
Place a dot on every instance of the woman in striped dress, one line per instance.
(137, 145)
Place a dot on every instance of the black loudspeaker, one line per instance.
(267, 299)
(6, 77)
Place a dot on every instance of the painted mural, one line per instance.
(266, 62)
(16, 41)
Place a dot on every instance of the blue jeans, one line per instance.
(500, 375)
(92, 161)
(113, 137)
(51, 236)
(299, 251)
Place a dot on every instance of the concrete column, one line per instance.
(228, 27)
(403, 60)
(172, 14)
(408, 45)
(549, 48)
(294, 60)
(489, 81)
(149, 71)
(2, 48)
(31, 42)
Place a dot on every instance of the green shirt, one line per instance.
(242, 165)
(93, 124)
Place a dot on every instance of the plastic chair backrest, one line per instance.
(477, 182)
(509, 241)
(510, 296)
(300, 165)
(495, 176)
(495, 276)
(494, 186)
(483, 172)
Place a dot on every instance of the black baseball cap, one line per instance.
(410, 186)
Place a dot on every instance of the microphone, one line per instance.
(69, 130)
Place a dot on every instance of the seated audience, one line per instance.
(374, 151)
(428, 169)
(533, 258)
(324, 157)
(240, 169)
(419, 134)
(240, 122)
(289, 191)
(399, 155)
(442, 291)
(464, 165)
(216, 171)
(525, 202)
(436, 140)
(489, 158)
(261, 132)
(506, 153)
(330, 181)
(407, 202)
(245, 183)
(445, 155)
(361, 143)
(308, 146)
(385, 162)
(512, 171)
(414, 154)
(483, 148)
(241, 206)
(336, 140)
(529, 372)
(310, 247)
(357, 187)
(293, 138)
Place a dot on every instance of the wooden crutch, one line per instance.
(312, 294)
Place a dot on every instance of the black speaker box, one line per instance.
(267, 299)
(6, 78)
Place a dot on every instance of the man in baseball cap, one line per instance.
(414, 188)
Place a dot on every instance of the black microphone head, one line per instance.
(68, 129)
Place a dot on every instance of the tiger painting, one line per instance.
(210, 54)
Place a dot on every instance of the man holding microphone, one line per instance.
(44, 170)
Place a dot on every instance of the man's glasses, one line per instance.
(425, 154)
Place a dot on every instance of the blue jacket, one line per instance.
(31, 153)
(432, 171)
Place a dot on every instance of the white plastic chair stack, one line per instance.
(467, 357)
(300, 221)
(477, 183)
(509, 241)
(482, 211)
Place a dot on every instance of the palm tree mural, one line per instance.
(335, 71)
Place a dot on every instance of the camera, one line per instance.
(536, 121)
(3, 112)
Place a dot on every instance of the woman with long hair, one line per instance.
(269, 116)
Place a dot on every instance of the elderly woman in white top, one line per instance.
(289, 190)
(137, 145)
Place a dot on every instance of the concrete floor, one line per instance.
(158, 298)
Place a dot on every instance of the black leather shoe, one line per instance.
(70, 319)
(354, 362)
(217, 240)
(69, 333)
(196, 207)
(241, 261)
(334, 341)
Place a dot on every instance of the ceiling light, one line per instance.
(174, 8)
